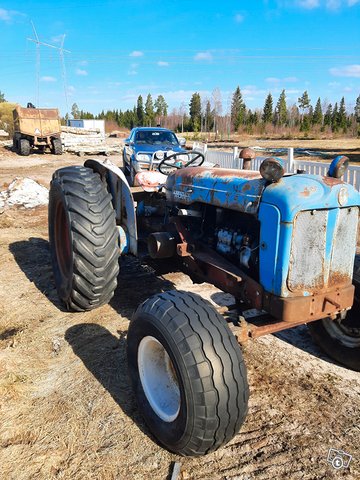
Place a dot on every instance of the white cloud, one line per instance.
(333, 4)
(272, 80)
(239, 18)
(346, 71)
(136, 53)
(203, 56)
(291, 79)
(328, 4)
(83, 63)
(57, 38)
(9, 15)
(162, 64)
(48, 79)
(308, 4)
(276, 80)
(71, 89)
(81, 72)
(348, 89)
(132, 72)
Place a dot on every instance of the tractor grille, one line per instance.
(323, 249)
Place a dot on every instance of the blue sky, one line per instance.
(122, 49)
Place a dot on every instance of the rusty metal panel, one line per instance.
(308, 252)
(39, 122)
(302, 309)
(344, 239)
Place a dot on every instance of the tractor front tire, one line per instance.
(24, 147)
(83, 238)
(57, 146)
(340, 339)
(188, 373)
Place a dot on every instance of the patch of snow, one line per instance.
(25, 192)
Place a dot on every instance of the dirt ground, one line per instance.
(66, 407)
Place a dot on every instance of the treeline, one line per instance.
(205, 115)
(150, 114)
(274, 117)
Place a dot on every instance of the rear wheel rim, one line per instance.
(62, 240)
(346, 331)
(158, 379)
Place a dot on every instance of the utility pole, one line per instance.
(62, 61)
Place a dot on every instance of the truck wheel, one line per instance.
(340, 339)
(57, 146)
(188, 373)
(24, 147)
(83, 238)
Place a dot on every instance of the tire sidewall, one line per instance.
(63, 283)
(349, 357)
(174, 435)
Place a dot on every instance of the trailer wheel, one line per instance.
(56, 146)
(188, 373)
(24, 146)
(83, 238)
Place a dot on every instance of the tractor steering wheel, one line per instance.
(166, 162)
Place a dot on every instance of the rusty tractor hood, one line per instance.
(244, 190)
(239, 190)
(294, 193)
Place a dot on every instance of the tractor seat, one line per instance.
(150, 181)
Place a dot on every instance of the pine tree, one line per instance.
(357, 109)
(267, 116)
(140, 114)
(335, 118)
(238, 109)
(328, 116)
(209, 117)
(149, 110)
(195, 112)
(342, 115)
(304, 102)
(318, 115)
(161, 106)
(2, 97)
(75, 112)
(281, 110)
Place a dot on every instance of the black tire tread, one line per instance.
(57, 146)
(215, 362)
(94, 237)
(24, 147)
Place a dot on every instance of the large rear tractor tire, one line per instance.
(56, 146)
(188, 373)
(340, 339)
(24, 147)
(83, 238)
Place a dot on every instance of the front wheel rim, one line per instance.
(158, 379)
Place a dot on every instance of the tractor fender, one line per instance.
(122, 198)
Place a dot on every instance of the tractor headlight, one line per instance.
(338, 166)
(142, 157)
(272, 169)
(159, 155)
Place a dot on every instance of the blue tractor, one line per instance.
(283, 244)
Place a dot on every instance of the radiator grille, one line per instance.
(344, 245)
(314, 266)
(306, 270)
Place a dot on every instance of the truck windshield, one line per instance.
(154, 137)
